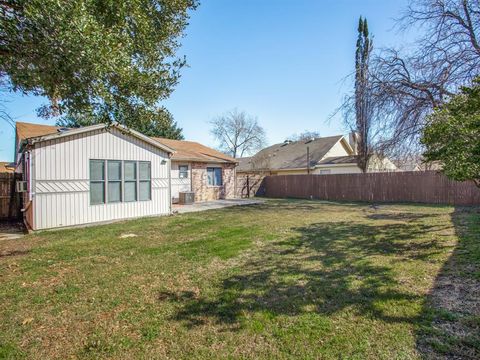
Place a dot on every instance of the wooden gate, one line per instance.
(10, 201)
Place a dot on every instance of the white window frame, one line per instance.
(119, 181)
(122, 181)
(131, 181)
(90, 181)
(183, 171)
(144, 180)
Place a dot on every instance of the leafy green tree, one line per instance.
(98, 58)
(158, 122)
(452, 135)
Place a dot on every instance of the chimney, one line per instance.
(353, 141)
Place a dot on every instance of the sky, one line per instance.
(282, 61)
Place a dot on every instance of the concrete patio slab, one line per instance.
(216, 204)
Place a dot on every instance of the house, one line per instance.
(108, 172)
(416, 163)
(325, 155)
(209, 173)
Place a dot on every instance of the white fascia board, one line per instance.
(95, 127)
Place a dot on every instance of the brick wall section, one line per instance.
(204, 192)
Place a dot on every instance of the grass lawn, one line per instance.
(286, 279)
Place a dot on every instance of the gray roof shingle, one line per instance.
(333, 160)
(285, 156)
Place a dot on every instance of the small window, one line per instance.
(114, 181)
(97, 181)
(325, 172)
(130, 180)
(145, 181)
(214, 176)
(183, 171)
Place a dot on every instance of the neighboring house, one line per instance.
(326, 155)
(416, 163)
(102, 173)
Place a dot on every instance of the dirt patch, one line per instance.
(7, 253)
(457, 295)
(11, 240)
(453, 307)
(11, 230)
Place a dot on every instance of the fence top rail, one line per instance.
(394, 187)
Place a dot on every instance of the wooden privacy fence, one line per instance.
(413, 186)
(10, 204)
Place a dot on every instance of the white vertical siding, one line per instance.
(61, 179)
(180, 184)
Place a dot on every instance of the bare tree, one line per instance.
(238, 133)
(305, 135)
(4, 114)
(406, 87)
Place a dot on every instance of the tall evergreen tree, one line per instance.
(363, 115)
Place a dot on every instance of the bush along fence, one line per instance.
(416, 186)
(10, 202)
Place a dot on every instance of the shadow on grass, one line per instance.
(325, 268)
(450, 320)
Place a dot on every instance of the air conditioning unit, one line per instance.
(186, 197)
(21, 186)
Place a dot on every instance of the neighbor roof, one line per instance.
(293, 155)
(244, 163)
(6, 167)
(339, 160)
(28, 130)
(193, 151)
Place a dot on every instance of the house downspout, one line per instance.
(28, 200)
(170, 184)
(235, 181)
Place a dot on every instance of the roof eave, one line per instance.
(82, 130)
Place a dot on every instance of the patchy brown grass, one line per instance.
(286, 279)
